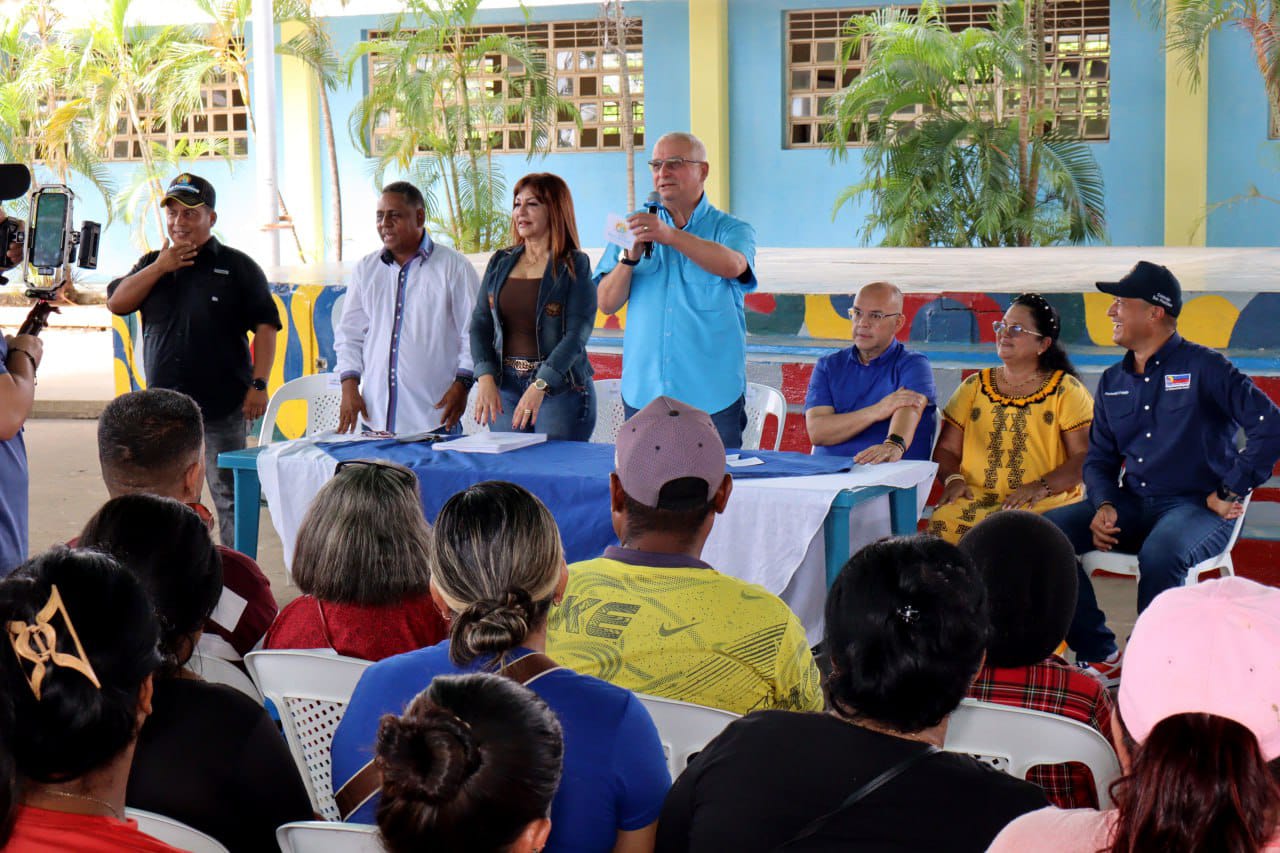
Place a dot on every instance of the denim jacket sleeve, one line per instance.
(483, 351)
(579, 321)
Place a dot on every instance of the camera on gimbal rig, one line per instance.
(50, 244)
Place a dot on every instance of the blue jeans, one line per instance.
(730, 421)
(565, 415)
(221, 435)
(1169, 535)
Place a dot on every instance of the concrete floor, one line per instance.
(66, 488)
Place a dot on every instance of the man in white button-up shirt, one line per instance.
(403, 347)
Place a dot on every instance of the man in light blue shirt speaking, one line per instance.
(686, 330)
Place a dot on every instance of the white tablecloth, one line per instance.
(770, 533)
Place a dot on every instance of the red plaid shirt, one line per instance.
(1056, 687)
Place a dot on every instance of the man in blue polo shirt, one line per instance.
(872, 400)
(1164, 477)
(686, 334)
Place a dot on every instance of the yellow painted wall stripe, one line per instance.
(709, 90)
(1186, 153)
(300, 175)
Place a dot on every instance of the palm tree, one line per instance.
(41, 117)
(959, 149)
(425, 74)
(122, 68)
(1191, 22)
(314, 48)
(223, 51)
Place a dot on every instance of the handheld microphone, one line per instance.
(15, 180)
(651, 204)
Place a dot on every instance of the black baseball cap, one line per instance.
(1148, 282)
(191, 190)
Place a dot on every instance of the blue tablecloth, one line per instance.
(571, 478)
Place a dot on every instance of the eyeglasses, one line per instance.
(1013, 330)
(857, 315)
(673, 162)
(406, 477)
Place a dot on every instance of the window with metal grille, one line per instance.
(1077, 65)
(223, 120)
(584, 74)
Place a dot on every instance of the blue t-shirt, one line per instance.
(842, 381)
(615, 774)
(13, 493)
(686, 331)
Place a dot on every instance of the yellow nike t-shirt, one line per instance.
(690, 634)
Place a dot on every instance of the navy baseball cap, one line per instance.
(1150, 283)
(191, 191)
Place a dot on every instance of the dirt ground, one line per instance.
(66, 489)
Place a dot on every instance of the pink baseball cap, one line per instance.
(667, 440)
(1212, 648)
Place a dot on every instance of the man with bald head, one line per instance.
(874, 401)
(686, 330)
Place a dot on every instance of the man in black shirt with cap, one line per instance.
(198, 300)
(1164, 477)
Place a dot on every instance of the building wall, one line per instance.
(786, 194)
(1240, 154)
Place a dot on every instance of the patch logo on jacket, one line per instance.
(554, 309)
(1177, 381)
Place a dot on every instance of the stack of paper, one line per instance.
(492, 442)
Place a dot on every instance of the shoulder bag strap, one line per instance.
(813, 827)
(367, 781)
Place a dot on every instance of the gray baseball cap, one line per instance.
(668, 440)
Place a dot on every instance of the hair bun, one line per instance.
(496, 626)
(428, 758)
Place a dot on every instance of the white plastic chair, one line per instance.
(311, 691)
(763, 400)
(1121, 563)
(1015, 740)
(323, 402)
(684, 728)
(609, 411)
(174, 832)
(319, 836)
(219, 671)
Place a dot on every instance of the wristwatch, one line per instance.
(1225, 494)
(259, 384)
(627, 262)
(540, 384)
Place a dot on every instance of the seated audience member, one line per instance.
(236, 780)
(874, 401)
(75, 686)
(152, 442)
(1030, 571)
(1198, 731)
(362, 562)
(650, 615)
(497, 566)
(1014, 436)
(471, 766)
(1166, 478)
(906, 626)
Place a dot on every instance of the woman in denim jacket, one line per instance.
(533, 316)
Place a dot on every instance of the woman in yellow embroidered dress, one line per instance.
(1014, 436)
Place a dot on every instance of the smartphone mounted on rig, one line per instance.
(50, 244)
